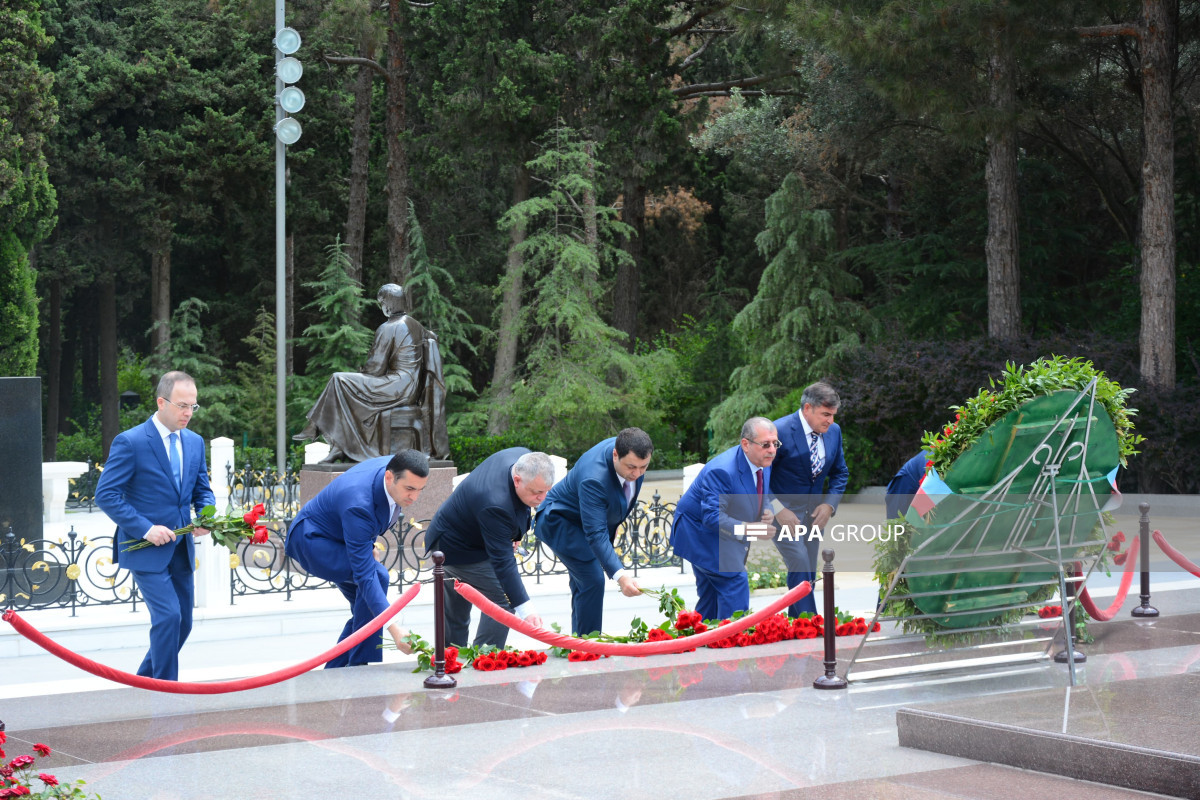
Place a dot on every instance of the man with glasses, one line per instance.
(725, 508)
(810, 456)
(154, 476)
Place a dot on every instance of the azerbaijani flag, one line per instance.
(931, 492)
(1114, 500)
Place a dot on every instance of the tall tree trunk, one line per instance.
(89, 350)
(110, 419)
(509, 336)
(1157, 336)
(397, 163)
(360, 152)
(160, 297)
(66, 383)
(591, 226)
(1003, 242)
(625, 291)
(53, 371)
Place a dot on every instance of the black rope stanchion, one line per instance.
(830, 679)
(1145, 609)
(439, 679)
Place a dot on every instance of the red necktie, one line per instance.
(759, 487)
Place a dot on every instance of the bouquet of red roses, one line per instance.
(227, 531)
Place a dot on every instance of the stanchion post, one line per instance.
(1145, 609)
(439, 679)
(830, 679)
(1063, 656)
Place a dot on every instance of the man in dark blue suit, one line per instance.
(333, 537)
(580, 517)
(809, 455)
(904, 485)
(155, 474)
(731, 491)
(477, 529)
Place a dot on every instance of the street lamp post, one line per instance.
(288, 99)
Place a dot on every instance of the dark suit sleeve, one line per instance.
(593, 517)
(118, 474)
(497, 528)
(359, 530)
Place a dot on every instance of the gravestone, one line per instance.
(21, 457)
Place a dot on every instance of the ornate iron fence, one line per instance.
(44, 573)
(78, 572)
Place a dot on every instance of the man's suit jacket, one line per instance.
(792, 480)
(904, 485)
(482, 519)
(352, 510)
(137, 490)
(722, 496)
(582, 512)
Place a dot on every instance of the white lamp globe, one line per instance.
(289, 69)
(288, 131)
(287, 41)
(291, 99)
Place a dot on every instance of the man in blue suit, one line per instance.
(580, 517)
(904, 485)
(809, 455)
(477, 529)
(333, 537)
(731, 491)
(155, 474)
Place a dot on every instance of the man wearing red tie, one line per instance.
(710, 526)
(810, 454)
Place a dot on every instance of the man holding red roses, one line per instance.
(154, 472)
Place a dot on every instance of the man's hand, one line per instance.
(535, 620)
(200, 531)
(629, 587)
(788, 517)
(822, 514)
(160, 535)
(768, 516)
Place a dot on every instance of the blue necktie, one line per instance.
(814, 454)
(176, 466)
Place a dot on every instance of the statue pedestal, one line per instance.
(315, 477)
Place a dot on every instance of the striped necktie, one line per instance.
(815, 454)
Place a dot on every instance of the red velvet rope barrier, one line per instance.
(625, 649)
(217, 687)
(1173, 554)
(1089, 605)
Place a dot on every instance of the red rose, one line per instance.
(574, 655)
(453, 667)
(1120, 537)
(21, 762)
(542, 657)
(818, 620)
(1114, 545)
(700, 627)
(3, 737)
(484, 664)
(501, 663)
(42, 750)
(1120, 558)
(251, 516)
(451, 654)
(875, 627)
(261, 534)
(758, 638)
(249, 519)
(49, 780)
(2, 756)
(742, 640)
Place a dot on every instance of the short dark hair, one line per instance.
(634, 439)
(166, 384)
(413, 461)
(820, 395)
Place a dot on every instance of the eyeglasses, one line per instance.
(767, 445)
(193, 407)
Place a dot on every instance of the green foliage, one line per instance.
(18, 310)
(27, 109)
(577, 384)
(337, 342)
(1020, 384)
(255, 380)
(188, 351)
(801, 317)
(468, 452)
(431, 287)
